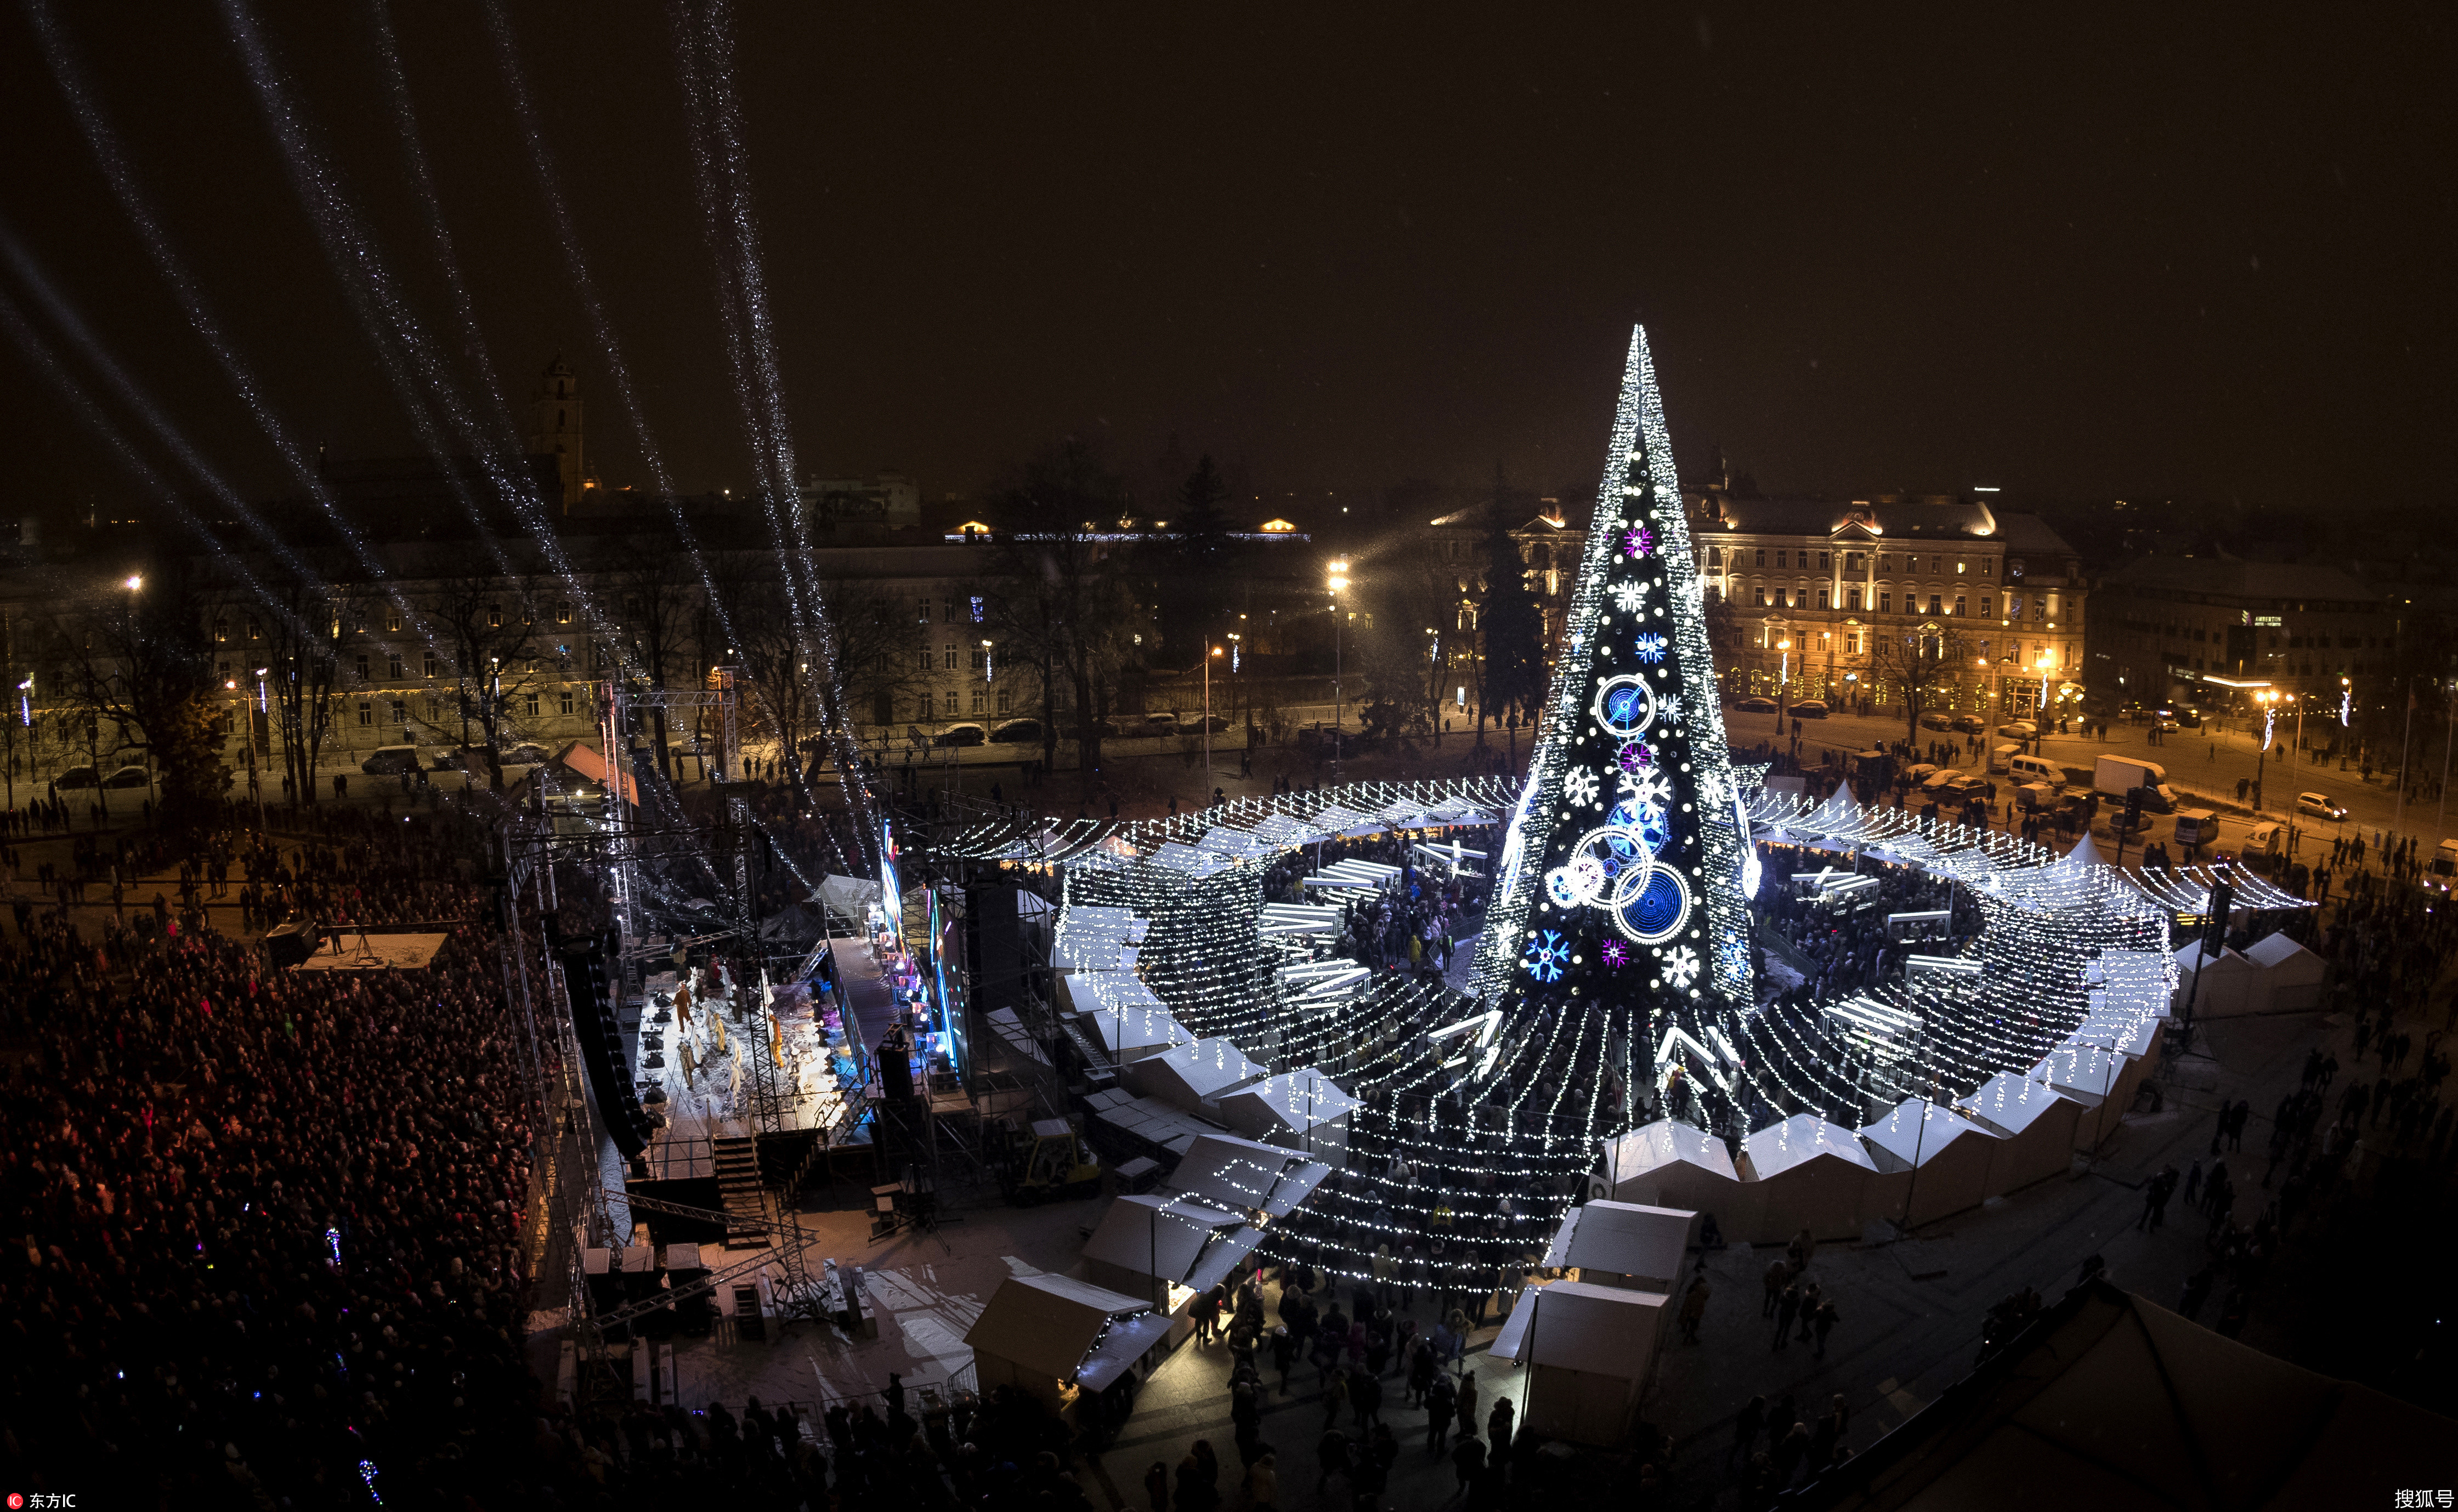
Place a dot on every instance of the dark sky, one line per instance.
(2130, 251)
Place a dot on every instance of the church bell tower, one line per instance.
(554, 426)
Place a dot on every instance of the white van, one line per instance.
(2028, 769)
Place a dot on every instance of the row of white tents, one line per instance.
(1922, 1160)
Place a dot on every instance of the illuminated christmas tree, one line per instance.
(1617, 944)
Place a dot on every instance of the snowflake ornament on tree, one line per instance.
(1638, 542)
(1579, 786)
(1681, 965)
(1616, 954)
(1648, 789)
(1547, 955)
(1649, 649)
(1635, 757)
(1629, 596)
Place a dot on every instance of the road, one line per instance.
(2207, 762)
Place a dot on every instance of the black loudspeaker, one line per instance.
(587, 976)
(994, 947)
(290, 944)
(896, 1065)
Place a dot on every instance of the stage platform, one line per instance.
(348, 950)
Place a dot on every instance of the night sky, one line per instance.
(2078, 253)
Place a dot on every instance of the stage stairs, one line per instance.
(738, 1178)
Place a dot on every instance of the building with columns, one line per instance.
(1855, 601)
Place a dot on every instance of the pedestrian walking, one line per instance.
(1787, 1308)
(1694, 1306)
(1746, 1429)
(1331, 1457)
(1778, 1276)
(1822, 1323)
(1438, 1401)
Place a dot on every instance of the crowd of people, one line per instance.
(270, 1223)
(1844, 941)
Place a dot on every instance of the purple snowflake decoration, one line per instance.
(1639, 541)
(1636, 757)
(1616, 954)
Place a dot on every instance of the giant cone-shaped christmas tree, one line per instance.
(1617, 956)
(1618, 916)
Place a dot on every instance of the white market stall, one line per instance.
(1587, 1351)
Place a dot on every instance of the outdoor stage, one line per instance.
(376, 950)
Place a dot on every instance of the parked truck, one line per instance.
(2116, 775)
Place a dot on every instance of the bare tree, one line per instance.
(140, 675)
(1063, 612)
(489, 628)
(657, 605)
(1925, 660)
(874, 671)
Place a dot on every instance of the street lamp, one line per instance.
(1209, 652)
(1338, 583)
(1782, 682)
(2267, 701)
(135, 582)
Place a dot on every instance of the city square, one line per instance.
(639, 899)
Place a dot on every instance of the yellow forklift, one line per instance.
(1048, 1161)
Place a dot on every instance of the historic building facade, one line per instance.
(1860, 600)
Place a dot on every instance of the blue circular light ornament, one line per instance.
(1651, 904)
(1625, 706)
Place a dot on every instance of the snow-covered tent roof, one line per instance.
(1575, 1325)
(2076, 1068)
(1189, 1074)
(1916, 1131)
(1228, 841)
(1048, 1324)
(1339, 820)
(1666, 1143)
(2010, 1104)
(1800, 1139)
(1161, 1234)
(1625, 1238)
(1290, 1103)
(2124, 1030)
(1092, 938)
(1191, 862)
(1247, 1175)
(2276, 952)
(2192, 960)
(1283, 829)
(1122, 1012)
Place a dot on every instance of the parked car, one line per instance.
(528, 753)
(1017, 732)
(77, 777)
(2019, 730)
(1950, 786)
(1195, 724)
(128, 777)
(1756, 706)
(1809, 709)
(1321, 737)
(967, 733)
(2320, 806)
(1968, 723)
(1160, 724)
(390, 761)
(1933, 720)
(1919, 773)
